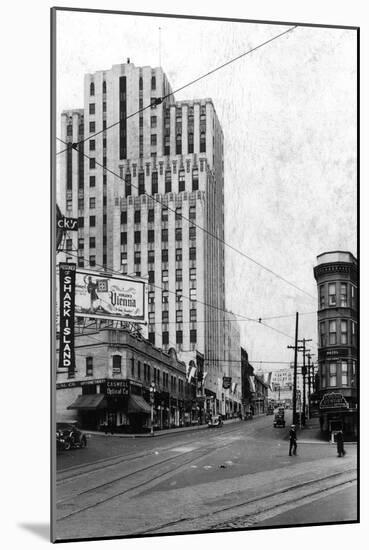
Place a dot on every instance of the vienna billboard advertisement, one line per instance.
(112, 297)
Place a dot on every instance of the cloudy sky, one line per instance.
(288, 112)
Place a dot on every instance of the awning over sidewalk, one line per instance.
(137, 404)
(89, 402)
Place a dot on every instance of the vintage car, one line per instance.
(69, 436)
(215, 421)
(279, 421)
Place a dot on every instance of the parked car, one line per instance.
(68, 436)
(215, 421)
(279, 421)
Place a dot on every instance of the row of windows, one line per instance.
(179, 316)
(337, 332)
(155, 184)
(337, 295)
(151, 215)
(151, 234)
(141, 373)
(164, 257)
(165, 277)
(179, 337)
(333, 374)
(158, 377)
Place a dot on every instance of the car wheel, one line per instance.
(67, 446)
(83, 443)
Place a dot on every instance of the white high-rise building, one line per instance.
(142, 216)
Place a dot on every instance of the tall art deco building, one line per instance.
(142, 215)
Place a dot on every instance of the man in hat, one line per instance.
(293, 439)
(340, 444)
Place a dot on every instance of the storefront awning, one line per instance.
(89, 402)
(137, 404)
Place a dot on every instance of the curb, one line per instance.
(158, 433)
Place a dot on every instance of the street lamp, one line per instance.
(152, 399)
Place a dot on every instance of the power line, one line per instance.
(161, 99)
(200, 302)
(194, 224)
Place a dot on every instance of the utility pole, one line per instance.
(294, 417)
(313, 379)
(310, 378)
(304, 350)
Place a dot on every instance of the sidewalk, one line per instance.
(311, 433)
(160, 433)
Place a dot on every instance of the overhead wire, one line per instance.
(184, 86)
(198, 301)
(194, 224)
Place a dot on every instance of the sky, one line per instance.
(288, 113)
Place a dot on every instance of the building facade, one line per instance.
(149, 186)
(232, 367)
(117, 375)
(336, 274)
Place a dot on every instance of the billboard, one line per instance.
(110, 297)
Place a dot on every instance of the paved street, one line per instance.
(237, 476)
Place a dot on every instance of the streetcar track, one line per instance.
(142, 484)
(259, 499)
(125, 476)
(118, 459)
(230, 524)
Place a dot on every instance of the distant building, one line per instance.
(336, 274)
(232, 365)
(260, 399)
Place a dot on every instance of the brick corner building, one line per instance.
(336, 274)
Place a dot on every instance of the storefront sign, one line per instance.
(333, 401)
(67, 278)
(115, 297)
(117, 387)
(68, 224)
(333, 353)
(227, 381)
(121, 385)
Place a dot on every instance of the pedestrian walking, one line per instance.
(340, 446)
(293, 439)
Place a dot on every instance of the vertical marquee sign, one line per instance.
(67, 283)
